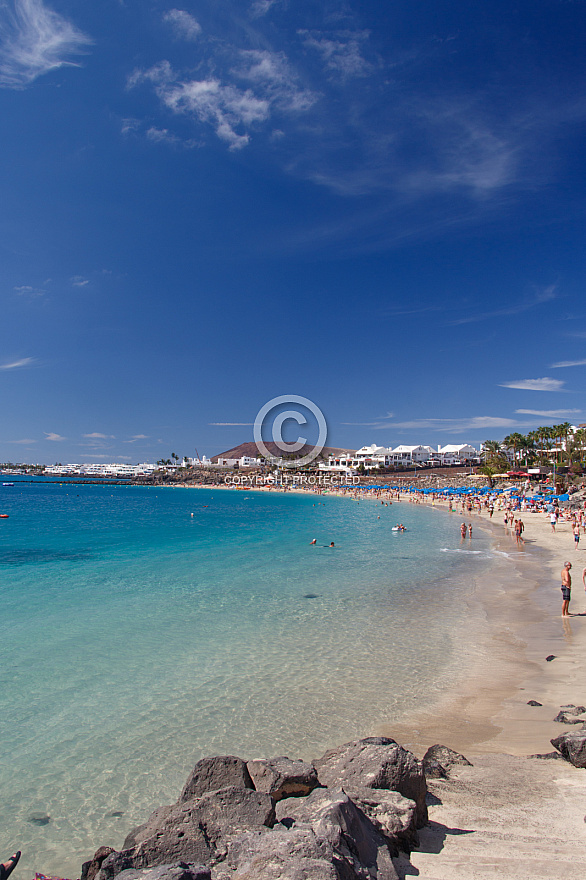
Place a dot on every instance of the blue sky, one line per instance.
(204, 205)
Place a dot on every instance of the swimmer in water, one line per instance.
(313, 542)
(331, 544)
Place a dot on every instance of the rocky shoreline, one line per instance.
(354, 814)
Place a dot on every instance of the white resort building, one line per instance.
(374, 456)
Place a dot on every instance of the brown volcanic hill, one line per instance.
(250, 449)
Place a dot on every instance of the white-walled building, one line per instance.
(457, 454)
(245, 461)
(412, 454)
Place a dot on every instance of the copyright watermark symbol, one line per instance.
(280, 418)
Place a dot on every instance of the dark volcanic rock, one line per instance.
(548, 756)
(434, 770)
(282, 778)
(568, 718)
(210, 774)
(534, 703)
(180, 871)
(392, 814)
(196, 831)
(376, 762)
(572, 746)
(91, 868)
(39, 820)
(359, 849)
(551, 657)
(445, 756)
(278, 855)
(570, 709)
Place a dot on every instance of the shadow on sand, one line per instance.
(431, 840)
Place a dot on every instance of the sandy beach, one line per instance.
(522, 604)
(508, 815)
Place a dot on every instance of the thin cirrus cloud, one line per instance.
(454, 426)
(545, 384)
(548, 413)
(580, 363)
(95, 435)
(54, 437)
(26, 290)
(17, 365)
(260, 7)
(183, 24)
(35, 40)
(542, 296)
(340, 52)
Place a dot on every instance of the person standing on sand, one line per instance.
(553, 519)
(576, 531)
(463, 530)
(566, 588)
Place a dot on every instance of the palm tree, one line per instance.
(564, 431)
(492, 448)
(515, 442)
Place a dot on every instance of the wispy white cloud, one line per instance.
(544, 295)
(54, 437)
(130, 125)
(271, 73)
(549, 413)
(580, 363)
(34, 40)
(454, 426)
(340, 52)
(16, 365)
(136, 437)
(79, 281)
(164, 136)
(183, 23)
(234, 112)
(26, 442)
(260, 7)
(95, 435)
(545, 384)
(224, 107)
(27, 291)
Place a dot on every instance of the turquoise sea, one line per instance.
(137, 638)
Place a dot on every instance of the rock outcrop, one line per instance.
(210, 774)
(438, 760)
(283, 778)
(572, 746)
(376, 762)
(342, 818)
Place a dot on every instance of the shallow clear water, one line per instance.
(136, 638)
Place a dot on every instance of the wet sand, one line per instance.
(487, 711)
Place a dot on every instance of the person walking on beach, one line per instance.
(576, 531)
(566, 588)
(553, 519)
